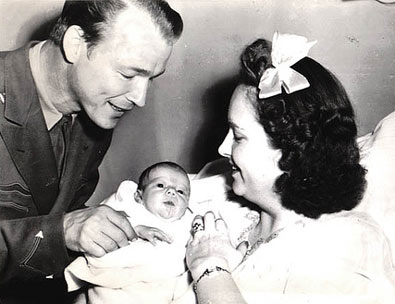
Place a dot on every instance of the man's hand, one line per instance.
(152, 234)
(97, 230)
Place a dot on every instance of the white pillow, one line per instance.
(213, 193)
(378, 157)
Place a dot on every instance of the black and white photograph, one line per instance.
(197, 151)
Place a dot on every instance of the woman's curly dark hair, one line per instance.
(316, 132)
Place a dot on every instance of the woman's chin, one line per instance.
(237, 188)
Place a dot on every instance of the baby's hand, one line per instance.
(152, 234)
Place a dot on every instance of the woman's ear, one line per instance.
(277, 156)
(138, 196)
(73, 43)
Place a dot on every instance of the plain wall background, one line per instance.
(185, 116)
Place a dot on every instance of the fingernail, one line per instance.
(244, 244)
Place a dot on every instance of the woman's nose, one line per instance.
(225, 149)
(138, 91)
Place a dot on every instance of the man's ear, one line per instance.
(73, 43)
(138, 196)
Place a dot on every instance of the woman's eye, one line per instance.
(160, 185)
(237, 138)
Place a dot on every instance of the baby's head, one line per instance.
(164, 190)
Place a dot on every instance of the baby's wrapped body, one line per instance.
(139, 272)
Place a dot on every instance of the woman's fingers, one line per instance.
(207, 226)
(197, 224)
(209, 222)
(242, 248)
(197, 229)
(220, 225)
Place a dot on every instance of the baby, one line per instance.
(163, 190)
(145, 271)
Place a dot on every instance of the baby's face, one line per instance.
(167, 193)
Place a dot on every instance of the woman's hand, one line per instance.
(211, 246)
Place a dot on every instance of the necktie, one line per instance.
(60, 138)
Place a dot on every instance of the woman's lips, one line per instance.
(233, 166)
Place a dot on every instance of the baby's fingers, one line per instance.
(161, 236)
(151, 239)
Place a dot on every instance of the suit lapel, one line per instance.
(25, 133)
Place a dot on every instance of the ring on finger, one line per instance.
(197, 226)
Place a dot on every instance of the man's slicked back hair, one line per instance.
(95, 16)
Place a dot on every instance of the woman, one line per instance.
(293, 153)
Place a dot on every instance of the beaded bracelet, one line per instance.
(207, 272)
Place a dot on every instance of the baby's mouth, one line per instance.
(169, 203)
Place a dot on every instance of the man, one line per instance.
(98, 64)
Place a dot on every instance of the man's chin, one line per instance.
(106, 124)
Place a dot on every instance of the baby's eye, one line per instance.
(160, 185)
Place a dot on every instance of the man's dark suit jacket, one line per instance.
(33, 199)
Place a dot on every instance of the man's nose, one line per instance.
(171, 191)
(138, 91)
(225, 149)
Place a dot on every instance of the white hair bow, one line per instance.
(287, 49)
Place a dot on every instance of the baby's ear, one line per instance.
(138, 196)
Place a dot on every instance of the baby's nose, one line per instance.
(170, 191)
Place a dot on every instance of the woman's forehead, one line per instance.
(242, 106)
